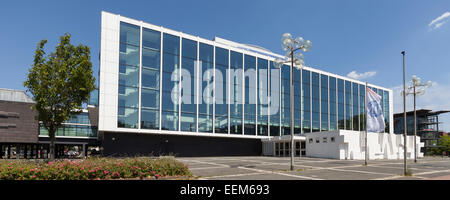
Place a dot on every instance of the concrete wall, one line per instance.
(109, 72)
(350, 145)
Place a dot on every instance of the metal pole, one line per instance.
(365, 121)
(415, 126)
(404, 115)
(292, 111)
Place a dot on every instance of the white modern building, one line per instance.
(163, 91)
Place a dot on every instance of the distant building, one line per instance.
(21, 135)
(427, 126)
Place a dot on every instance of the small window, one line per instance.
(317, 140)
(332, 139)
(310, 140)
(324, 139)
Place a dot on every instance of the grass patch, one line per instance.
(94, 169)
(408, 173)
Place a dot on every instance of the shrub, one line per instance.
(93, 169)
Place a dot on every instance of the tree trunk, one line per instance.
(51, 134)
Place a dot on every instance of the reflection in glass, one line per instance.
(306, 101)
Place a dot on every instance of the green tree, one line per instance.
(60, 83)
(444, 143)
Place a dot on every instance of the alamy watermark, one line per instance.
(235, 82)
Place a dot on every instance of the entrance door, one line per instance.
(303, 148)
(297, 149)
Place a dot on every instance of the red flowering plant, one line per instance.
(93, 169)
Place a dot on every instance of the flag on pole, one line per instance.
(375, 117)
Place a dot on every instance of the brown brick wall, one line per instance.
(22, 129)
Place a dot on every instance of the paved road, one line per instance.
(277, 168)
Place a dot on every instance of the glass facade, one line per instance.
(129, 63)
(250, 95)
(236, 84)
(324, 103)
(221, 97)
(168, 82)
(306, 101)
(151, 54)
(333, 103)
(285, 100)
(188, 108)
(76, 126)
(275, 117)
(263, 93)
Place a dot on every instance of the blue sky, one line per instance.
(362, 36)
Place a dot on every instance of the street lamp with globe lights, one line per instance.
(416, 89)
(290, 46)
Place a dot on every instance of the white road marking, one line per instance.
(203, 168)
(231, 175)
(264, 161)
(279, 173)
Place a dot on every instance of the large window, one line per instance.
(341, 104)
(205, 108)
(128, 92)
(263, 92)
(362, 107)
(306, 101)
(236, 86)
(188, 107)
(315, 102)
(285, 100)
(250, 95)
(348, 105)
(170, 78)
(333, 104)
(355, 107)
(297, 100)
(221, 94)
(72, 131)
(151, 46)
(324, 102)
(274, 100)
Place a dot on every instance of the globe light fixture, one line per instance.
(290, 46)
(417, 89)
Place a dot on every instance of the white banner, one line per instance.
(375, 117)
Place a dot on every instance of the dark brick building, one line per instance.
(22, 137)
(19, 130)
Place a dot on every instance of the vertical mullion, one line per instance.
(160, 79)
(345, 106)
(329, 99)
(228, 94)
(279, 106)
(179, 82)
(320, 102)
(214, 91)
(140, 77)
(301, 102)
(197, 80)
(269, 97)
(256, 96)
(243, 93)
(310, 102)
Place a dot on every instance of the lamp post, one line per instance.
(416, 89)
(405, 169)
(291, 45)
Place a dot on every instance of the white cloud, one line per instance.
(361, 76)
(438, 22)
(436, 97)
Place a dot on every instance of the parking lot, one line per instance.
(277, 168)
